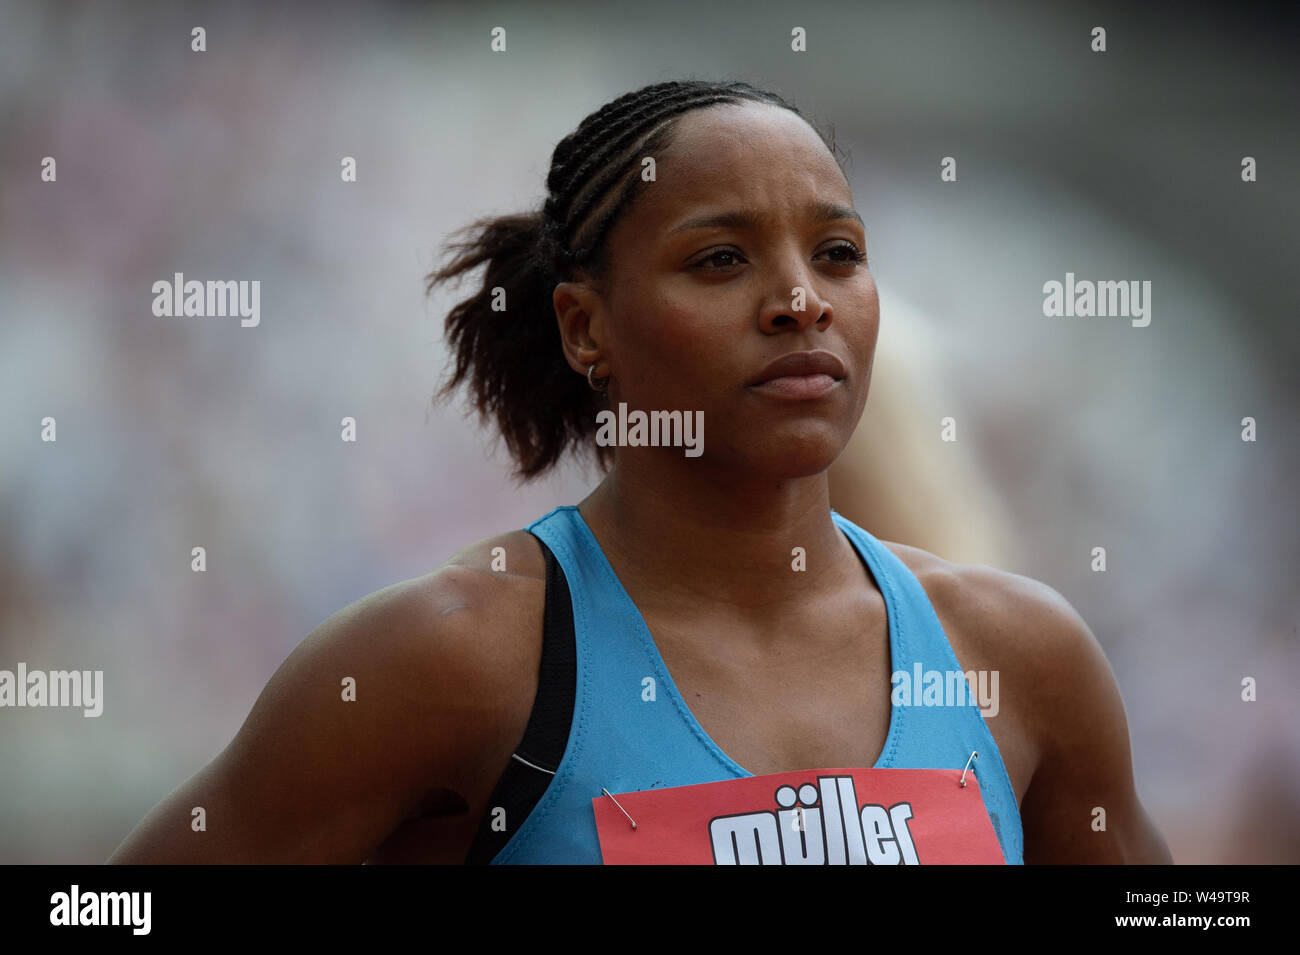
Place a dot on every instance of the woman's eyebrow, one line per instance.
(750, 219)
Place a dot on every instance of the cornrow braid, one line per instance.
(512, 358)
(615, 137)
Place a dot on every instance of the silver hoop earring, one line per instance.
(604, 386)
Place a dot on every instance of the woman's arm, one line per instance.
(312, 777)
(1084, 778)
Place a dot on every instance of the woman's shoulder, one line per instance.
(1008, 615)
(492, 574)
(483, 604)
(1054, 684)
(1052, 668)
(470, 628)
(987, 599)
(1067, 746)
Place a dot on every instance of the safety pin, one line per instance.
(620, 808)
(549, 772)
(973, 755)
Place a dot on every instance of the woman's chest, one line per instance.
(823, 698)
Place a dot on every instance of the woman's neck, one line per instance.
(683, 534)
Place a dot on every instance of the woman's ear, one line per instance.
(580, 314)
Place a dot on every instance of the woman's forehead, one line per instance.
(744, 134)
(759, 157)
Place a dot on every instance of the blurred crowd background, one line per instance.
(1072, 433)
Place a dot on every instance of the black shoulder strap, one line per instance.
(533, 765)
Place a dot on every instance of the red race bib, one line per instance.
(809, 817)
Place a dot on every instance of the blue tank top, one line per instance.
(621, 743)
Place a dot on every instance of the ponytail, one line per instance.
(507, 345)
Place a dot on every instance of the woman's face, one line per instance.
(695, 310)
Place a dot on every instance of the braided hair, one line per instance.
(512, 358)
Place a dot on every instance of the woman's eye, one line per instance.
(719, 254)
(724, 259)
(850, 252)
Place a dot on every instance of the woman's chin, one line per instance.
(791, 459)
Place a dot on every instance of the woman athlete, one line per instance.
(699, 253)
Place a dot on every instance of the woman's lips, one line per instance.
(802, 364)
(797, 386)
